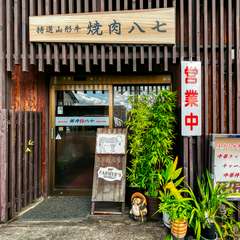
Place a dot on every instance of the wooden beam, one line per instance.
(222, 83)
(64, 49)
(48, 7)
(238, 62)
(4, 165)
(40, 46)
(71, 47)
(214, 81)
(230, 87)
(24, 35)
(16, 37)
(56, 46)
(3, 75)
(9, 34)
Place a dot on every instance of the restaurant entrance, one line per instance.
(77, 109)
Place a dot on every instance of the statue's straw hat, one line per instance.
(139, 195)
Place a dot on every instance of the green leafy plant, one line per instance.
(207, 205)
(171, 177)
(175, 205)
(177, 209)
(151, 125)
(230, 227)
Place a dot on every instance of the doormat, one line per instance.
(63, 208)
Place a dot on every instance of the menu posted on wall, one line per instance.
(226, 161)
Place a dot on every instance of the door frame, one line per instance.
(92, 82)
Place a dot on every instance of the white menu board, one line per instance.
(226, 160)
(111, 144)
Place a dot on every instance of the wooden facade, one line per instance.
(206, 30)
(20, 181)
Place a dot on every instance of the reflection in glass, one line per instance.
(122, 94)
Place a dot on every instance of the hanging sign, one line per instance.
(191, 106)
(226, 161)
(110, 174)
(153, 26)
(82, 121)
(111, 144)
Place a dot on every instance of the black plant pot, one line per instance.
(209, 233)
(153, 206)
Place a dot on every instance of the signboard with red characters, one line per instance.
(191, 98)
(226, 161)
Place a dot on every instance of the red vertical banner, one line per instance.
(191, 98)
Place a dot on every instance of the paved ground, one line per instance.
(65, 219)
(107, 228)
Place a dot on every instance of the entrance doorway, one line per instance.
(77, 110)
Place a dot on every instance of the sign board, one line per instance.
(191, 105)
(153, 26)
(109, 177)
(111, 144)
(226, 161)
(110, 174)
(81, 121)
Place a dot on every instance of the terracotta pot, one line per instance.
(179, 228)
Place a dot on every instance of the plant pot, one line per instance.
(166, 220)
(153, 206)
(209, 233)
(179, 228)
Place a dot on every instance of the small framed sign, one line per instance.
(226, 162)
(111, 144)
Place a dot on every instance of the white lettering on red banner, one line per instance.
(191, 98)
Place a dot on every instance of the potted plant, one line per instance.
(151, 126)
(179, 210)
(172, 180)
(230, 227)
(205, 217)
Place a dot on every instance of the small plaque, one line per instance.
(110, 174)
(111, 144)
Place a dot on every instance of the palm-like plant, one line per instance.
(206, 207)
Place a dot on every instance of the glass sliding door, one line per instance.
(78, 114)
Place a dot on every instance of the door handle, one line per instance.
(52, 133)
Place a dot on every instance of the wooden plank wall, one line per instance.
(29, 92)
(207, 30)
(20, 175)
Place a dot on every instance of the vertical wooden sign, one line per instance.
(109, 178)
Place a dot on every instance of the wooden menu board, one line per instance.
(226, 161)
(109, 176)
